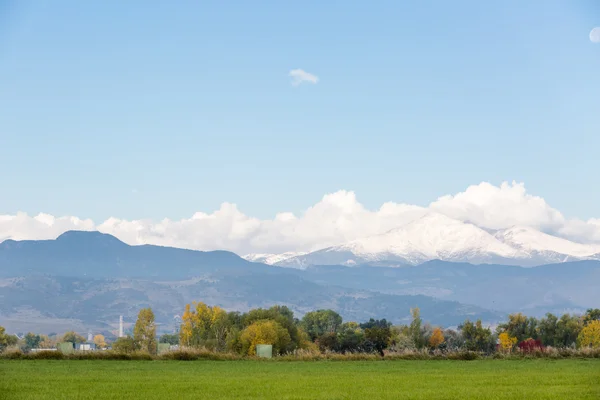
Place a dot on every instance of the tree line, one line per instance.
(31, 340)
(215, 329)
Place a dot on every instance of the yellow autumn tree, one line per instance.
(203, 325)
(590, 335)
(264, 332)
(100, 341)
(507, 342)
(436, 339)
(186, 331)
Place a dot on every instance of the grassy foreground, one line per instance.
(481, 379)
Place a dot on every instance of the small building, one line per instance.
(38, 350)
(87, 346)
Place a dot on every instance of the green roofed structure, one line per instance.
(66, 347)
(264, 350)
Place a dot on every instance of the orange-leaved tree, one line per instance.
(436, 339)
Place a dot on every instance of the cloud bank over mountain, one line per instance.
(337, 218)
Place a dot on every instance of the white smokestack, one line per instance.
(120, 326)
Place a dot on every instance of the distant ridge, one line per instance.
(95, 254)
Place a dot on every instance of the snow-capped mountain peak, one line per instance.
(532, 240)
(433, 236)
(437, 236)
(272, 259)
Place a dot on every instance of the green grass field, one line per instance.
(482, 379)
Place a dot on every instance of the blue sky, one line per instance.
(140, 110)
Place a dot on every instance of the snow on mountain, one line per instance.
(535, 242)
(433, 236)
(272, 259)
(436, 236)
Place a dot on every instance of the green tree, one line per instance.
(235, 320)
(350, 337)
(379, 337)
(232, 341)
(328, 342)
(124, 345)
(171, 339)
(376, 323)
(567, 330)
(415, 330)
(318, 323)
(520, 327)
(72, 337)
(378, 334)
(402, 342)
(6, 340)
(453, 340)
(547, 329)
(476, 337)
(32, 341)
(144, 331)
(592, 314)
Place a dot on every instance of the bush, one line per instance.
(141, 356)
(12, 353)
(464, 355)
(531, 346)
(124, 345)
(46, 355)
(301, 355)
(198, 354)
(353, 357)
(409, 354)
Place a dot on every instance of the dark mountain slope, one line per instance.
(94, 254)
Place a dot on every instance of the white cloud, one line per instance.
(43, 226)
(595, 35)
(300, 76)
(500, 207)
(337, 218)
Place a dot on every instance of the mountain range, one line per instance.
(85, 280)
(438, 237)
